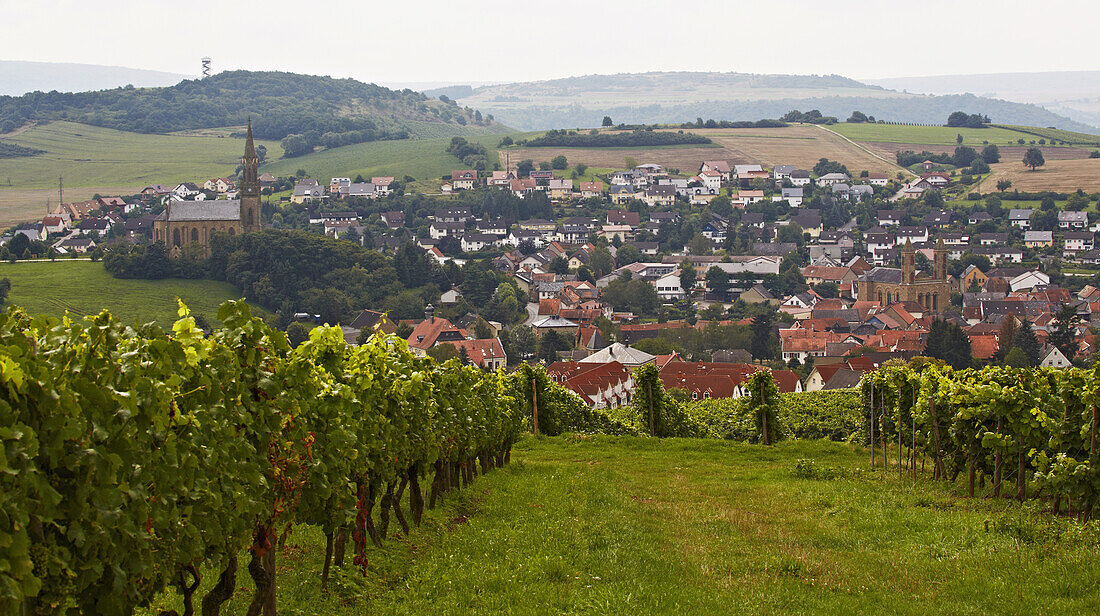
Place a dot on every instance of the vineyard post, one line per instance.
(872, 423)
(534, 404)
(998, 462)
(937, 470)
(899, 434)
(649, 391)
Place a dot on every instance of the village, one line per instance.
(830, 275)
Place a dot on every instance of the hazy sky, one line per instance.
(515, 40)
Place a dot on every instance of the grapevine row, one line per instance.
(1033, 427)
(132, 459)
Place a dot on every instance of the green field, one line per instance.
(420, 158)
(92, 156)
(84, 287)
(623, 525)
(1070, 137)
(931, 135)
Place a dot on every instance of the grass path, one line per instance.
(604, 525)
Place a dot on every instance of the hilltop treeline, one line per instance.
(765, 123)
(280, 104)
(649, 137)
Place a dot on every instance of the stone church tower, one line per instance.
(183, 223)
(250, 185)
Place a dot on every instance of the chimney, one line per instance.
(429, 313)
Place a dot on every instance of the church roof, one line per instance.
(883, 274)
(187, 211)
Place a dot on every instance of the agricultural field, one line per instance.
(930, 135)
(84, 287)
(1057, 175)
(1071, 137)
(422, 159)
(802, 146)
(625, 525)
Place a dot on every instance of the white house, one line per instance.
(1053, 358)
(832, 178)
(668, 287)
(1028, 280)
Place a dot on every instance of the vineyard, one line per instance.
(998, 425)
(138, 461)
(134, 458)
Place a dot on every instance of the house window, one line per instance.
(694, 395)
(706, 395)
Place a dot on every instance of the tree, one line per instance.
(559, 265)
(628, 254)
(947, 341)
(1026, 341)
(991, 154)
(607, 121)
(524, 340)
(1033, 158)
(630, 162)
(581, 168)
(857, 117)
(765, 339)
(1003, 185)
(1064, 334)
(442, 352)
(5, 289)
(699, 245)
(1016, 358)
(525, 167)
(718, 280)
(527, 246)
(959, 139)
(826, 289)
(687, 276)
(549, 344)
(559, 162)
(297, 333)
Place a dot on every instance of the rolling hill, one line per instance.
(1074, 94)
(18, 77)
(673, 97)
(323, 109)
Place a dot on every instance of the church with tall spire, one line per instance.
(189, 225)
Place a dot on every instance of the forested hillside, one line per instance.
(323, 110)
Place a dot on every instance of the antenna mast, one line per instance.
(205, 67)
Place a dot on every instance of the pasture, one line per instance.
(626, 525)
(82, 288)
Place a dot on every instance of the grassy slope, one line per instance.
(92, 156)
(420, 158)
(623, 525)
(84, 287)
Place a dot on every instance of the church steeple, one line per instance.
(250, 184)
(250, 162)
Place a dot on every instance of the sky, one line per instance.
(435, 41)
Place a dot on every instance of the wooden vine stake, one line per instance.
(652, 424)
(534, 404)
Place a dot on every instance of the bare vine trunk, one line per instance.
(395, 502)
(416, 496)
(330, 544)
(262, 569)
(222, 591)
(341, 546)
